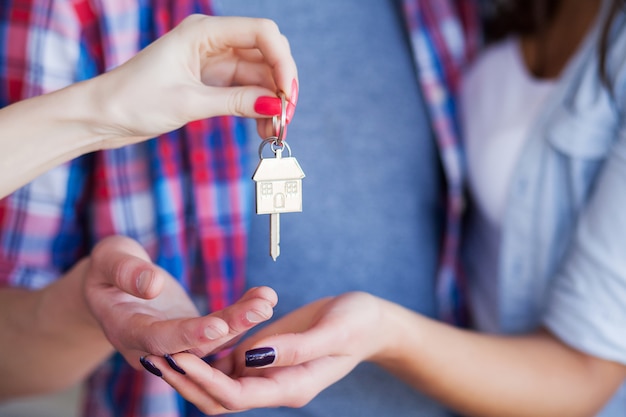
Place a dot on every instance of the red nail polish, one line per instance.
(291, 104)
(291, 109)
(268, 106)
(294, 92)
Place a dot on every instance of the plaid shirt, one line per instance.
(183, 196)
(445, 37)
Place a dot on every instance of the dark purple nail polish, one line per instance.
(172, 363)
(150, 367)
(256, 358)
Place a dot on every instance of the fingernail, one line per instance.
(172, 363)
(291, 109)
(144, 281)
(291, 104)
(258, 357)
(255, 316)
(213, 333)
(150, 367)
(268, 106)
(294, 92)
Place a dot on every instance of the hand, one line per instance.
(143, 310)
(315, 346)
(215, 66)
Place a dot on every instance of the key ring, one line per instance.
(274, 146)
(283, 120)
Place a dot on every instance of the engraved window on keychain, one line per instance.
(278, 180)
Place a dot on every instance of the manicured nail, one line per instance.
(258, 357)
(144, 281)
(294, 92)
(150, 367)
(172, 363)
(293, 100)
(268, 106)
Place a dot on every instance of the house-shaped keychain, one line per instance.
(278, 185)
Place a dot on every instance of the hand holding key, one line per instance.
(278, 182)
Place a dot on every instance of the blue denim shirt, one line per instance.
(563, 247)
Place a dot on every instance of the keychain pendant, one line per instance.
(278, 189)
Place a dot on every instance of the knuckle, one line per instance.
(152, 347)
(236, 103)
(229, 406)
(300, 355)
(194, 18)
(187, 339)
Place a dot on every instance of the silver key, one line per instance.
(274, 235)
(278, 188)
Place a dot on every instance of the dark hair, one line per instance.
(531, 17)
(512, 17)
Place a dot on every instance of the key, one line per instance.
(278, 188)
(274, 235)
(278, 181)
(275, 224)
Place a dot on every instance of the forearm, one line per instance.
(50, 339)
(39, 133)
(487, 375)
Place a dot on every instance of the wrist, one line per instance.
(63, 305)
(81, 111)
(403, 333)
(390, 337)
(96, 114)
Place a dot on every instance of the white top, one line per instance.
(499, 102)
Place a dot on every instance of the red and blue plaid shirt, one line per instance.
(445, 36)
(184, 196)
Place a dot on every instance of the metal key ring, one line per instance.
(274, 146)
(283, 119)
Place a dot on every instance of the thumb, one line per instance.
(123, 263)
(245, 101)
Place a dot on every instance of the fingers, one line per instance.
(122, 262)
(253, 96)
(332, 327)
(244, 101)
(247, 33)
(255, 306)
(265, 293)
(214, 392)
(174, 372)
(199, 336)
(206, 334)
(260, 62)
